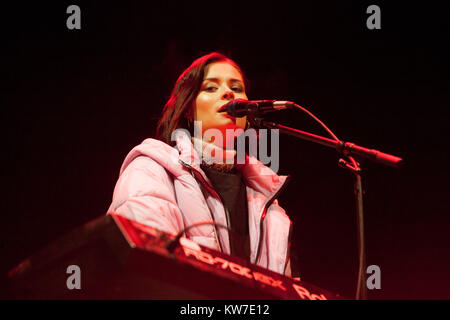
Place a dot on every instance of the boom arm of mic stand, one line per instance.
(347, 149)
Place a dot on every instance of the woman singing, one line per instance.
(180, 179)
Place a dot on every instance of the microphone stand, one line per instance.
(347, 149)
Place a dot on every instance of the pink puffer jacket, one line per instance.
(165, 188)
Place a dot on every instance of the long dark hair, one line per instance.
(178, 111)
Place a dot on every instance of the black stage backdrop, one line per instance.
(74, 102)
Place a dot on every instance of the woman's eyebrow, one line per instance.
(218, 80)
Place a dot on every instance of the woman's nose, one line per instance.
(228, 95)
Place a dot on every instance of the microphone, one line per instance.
(240, 107)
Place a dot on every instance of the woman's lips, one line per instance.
(226, 115)
(223, 108)
(223, 111)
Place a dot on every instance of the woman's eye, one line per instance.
(214, 88)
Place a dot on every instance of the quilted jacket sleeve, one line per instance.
(145, 193)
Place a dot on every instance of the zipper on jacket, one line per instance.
(198, 176)
(261, 225)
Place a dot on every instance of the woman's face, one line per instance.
(221, 84)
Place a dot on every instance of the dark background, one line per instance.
(74, 102)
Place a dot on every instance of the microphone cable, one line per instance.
(354, 167)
